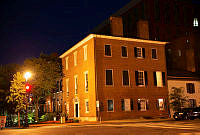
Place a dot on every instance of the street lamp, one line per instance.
(27, 75)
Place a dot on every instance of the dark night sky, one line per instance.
(29, 27)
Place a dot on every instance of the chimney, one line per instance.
(143, 29)
(116, 26)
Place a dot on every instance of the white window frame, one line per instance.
(141, 52)
(156, 54)
(126, 51)
(67, 87)
(67, 108)
(113, 105)
(110, 50)
(67, 63)
(76, 84)
(85, 52)
(87, 109)
(161, 108)
(75, 58)
(143, 78)
(112, 78)
(86, 81)
(128, 79)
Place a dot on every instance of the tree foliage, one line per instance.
(177, 99)
(18, 92)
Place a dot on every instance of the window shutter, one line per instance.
(143, 52)
(139, 107)
(154, 77)
(146, 78)
(157, 104)
(122, 104)
(132, 104)
(163, 78)
(147, 104)
(136, 78)
(135, 50)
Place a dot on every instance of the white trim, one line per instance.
(75, 84)
(85, 52)
(67, 87)
(87, 110)
(156, 54)
(67, 63)
(108, 37)
(75, 58)
(112, 79)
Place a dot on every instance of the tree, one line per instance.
(18, 93)
(177, 99)
(46, 70)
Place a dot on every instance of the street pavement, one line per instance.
(117, 127)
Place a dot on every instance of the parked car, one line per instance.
(187, 114)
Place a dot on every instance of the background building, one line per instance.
(109, 77)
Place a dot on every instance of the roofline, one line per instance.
(182, 78)
(90, 36)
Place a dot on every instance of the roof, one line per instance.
(182, 75)
(90, 36)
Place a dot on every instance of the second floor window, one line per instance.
(124, 51)
(159, 78)
(76, 84)
(139, 52)
(85, 52)
(109, 80)
(125, 78)
(86, 81)
(141, 78)
(190, 88)
(67, 86)
(107, 50)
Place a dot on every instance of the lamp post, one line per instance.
(27, 75)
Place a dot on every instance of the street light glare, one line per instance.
(27, 75)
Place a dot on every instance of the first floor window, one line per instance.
(192, 103)
(190, 88)
(161, 104)
(143, 105)
(125, 78)
(76, 84)
(109, 80)
(195, 22)
(110, 105)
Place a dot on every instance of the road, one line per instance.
(114, 128)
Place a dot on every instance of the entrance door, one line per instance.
(76, 110)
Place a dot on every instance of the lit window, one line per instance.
(66, 60)
(85, 52)
(75, 58)
(179, 53)
(109, 80)
(160, 104)
(159, 78)
(67, 86)
(86, 106)
(195, 22)
(107, 50)
(76, 84)
(124, 51)
(143, 104)
(127, 104)
(86, 81)
(67, 108)
(110, 105)
(139, 52)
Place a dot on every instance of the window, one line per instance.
(159, 78)
(125, 78)
(75, 58)
(127, 104)
(124, 51)
(86, 81)
(143, 104)
(179, 53)
(154, 53)
(67, 108)
(139, 52)
(107, 50)
(160, 104)
(195, 22)
(141, 78)
(66, 60)
(192, 103)
(67, 86)
(109, 80)
(110, 105)
(190, 88)
(86, 106)
(76, 84)
(85, 52)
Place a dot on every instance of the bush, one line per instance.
(47, 117)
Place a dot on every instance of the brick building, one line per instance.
(174, 21)
(108, 77)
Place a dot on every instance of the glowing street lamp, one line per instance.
(27, 75)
